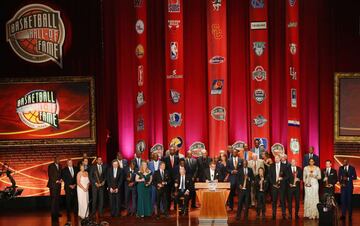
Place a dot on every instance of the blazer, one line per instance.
(152, 166)
(114, 182)
(241, 177)
(157, 179)
(299, 175)
(95, 176)
(351, 175)
(332, 177)
(168, 165)
(54, 174)
(216, 174)
(130, 177)
(191, 167)
(284, 173)
(230, 167)
(189, 185)
(265, 184)
(67, 178)
(137, 166)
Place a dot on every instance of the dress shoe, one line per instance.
(342, 218)
(350, 218)
(296, 216)
(284, 217)
(273, 217)
(237, 217)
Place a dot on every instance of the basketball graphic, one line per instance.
(37, 40)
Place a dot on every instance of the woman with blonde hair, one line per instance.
(144, 179)
(83, 183)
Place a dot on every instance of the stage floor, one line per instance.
(42, 218)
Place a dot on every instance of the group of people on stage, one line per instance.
(145, 187)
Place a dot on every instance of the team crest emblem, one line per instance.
(177, 142)
(139, 27)
(216, 31)
(173, 6)
(238, 145)
(259, 74)
(294, 145)
(277, 149)
(218, 113)
(173, 24)
(217, 86)
(293, 98)
(39, 109)
(175, 96)
(140, 75)
(292, 73)
(292, 2)
(173, 50)
(259, 48)
(139, 51)
(216, 4)
(259, 95)
(257, 4)
(260, 121)
(217, 60)
(36, 33)
(175, 119)
(140, 101)
(140, 124)
(292, 47)
(140, 146)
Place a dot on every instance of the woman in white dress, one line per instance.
(311, 176)
(83, 182)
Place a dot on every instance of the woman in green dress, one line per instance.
(143, 179)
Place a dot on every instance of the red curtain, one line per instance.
(117, 112)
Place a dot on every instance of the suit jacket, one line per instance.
(259, 163)
(260, 152)
(152, 166)
(157, 179)
(351, 175)
(137, 166)
(130, 177)
(307, 158)
(265, 184)
(299, 175)
(54, 174)
(241, 178)
(114, 182)
(222, 171)
(189, 185)
(191, 167)
(332, 177)
(284, 170)
(208, 176)
(95, 176)
(169, 167)
(230, 167)
(242, 155)
(67, 178)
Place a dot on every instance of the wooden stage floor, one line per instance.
(42, 218)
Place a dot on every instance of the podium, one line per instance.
(212, 198)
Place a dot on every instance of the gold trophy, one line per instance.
(278, 181)
(261, 184)
(344, 180)
(243, 187)
(308, 183)
(327, 185)
(293, 185)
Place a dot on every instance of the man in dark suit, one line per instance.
(171, 163)
(278, 176)
(347, 174)
(137, 160)
(310, 155)
(203, 163)
(161, 180)
(130, 189)
(245, 178)
(295, 175)
(123, 164)
(328, 178)
(97, 180)
(114, 182)
(68, 175)
(54, 184)
(191, 168)
(233, 165)
(230, 151)
(212, 173)
(183, 186)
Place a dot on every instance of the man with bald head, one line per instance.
(310, 155)
(203, 163)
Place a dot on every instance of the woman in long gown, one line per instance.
(311, 176)
(143, 179)
(83, 182)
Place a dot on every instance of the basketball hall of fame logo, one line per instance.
(36, 33)
(39, 109)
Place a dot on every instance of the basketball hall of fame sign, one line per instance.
(36, 33)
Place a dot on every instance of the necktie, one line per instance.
(311, 155)
(245, 155)
(172, 161)
(236, 163)
(71, 172)
(255, 165)
(162, 175)
(212, 175)
(138, 160)
(183, 184)
(115, 171)
(99, 167)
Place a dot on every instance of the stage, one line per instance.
(42, 218)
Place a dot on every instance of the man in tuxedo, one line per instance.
(68, 175)
(191, 168)
(123, 164)
(347, 174)
(230, 151)
(295, 175)
(114, 183)
(255, 163)
(278, 175)
(161, 180)
(203, 163)
(97, 179)
(257, 149)
(212, 173)
(130, 189)
(328, 178)
(54, 184)
(171, 163)
(137, 160)
(245, 154)
(233, 165)
(310, 155)
(154, 166)
(183, 186)
(86, 163)
(245, 179)
(284, 161)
